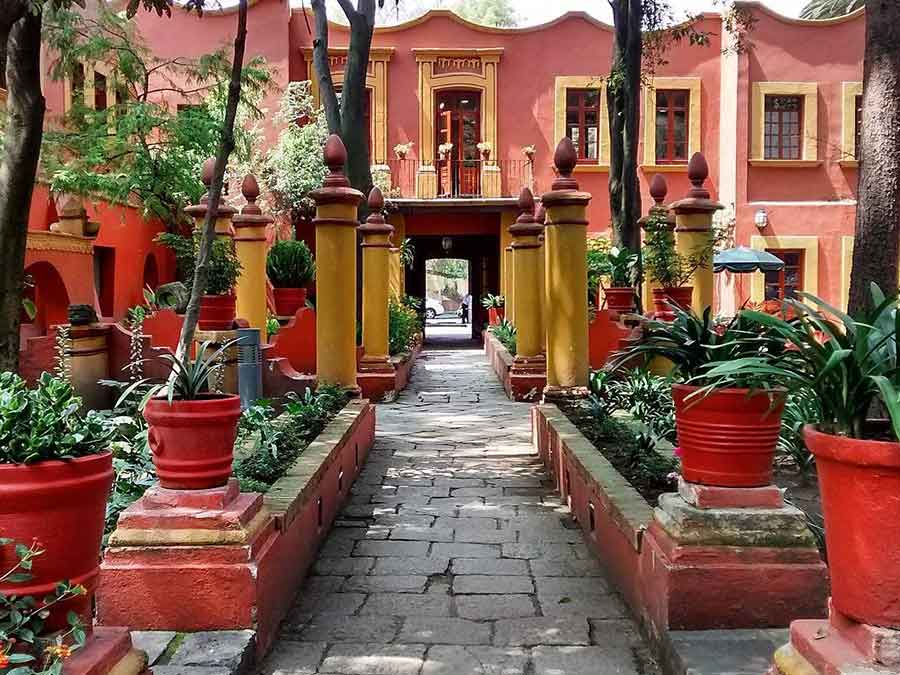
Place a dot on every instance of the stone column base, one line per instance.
(729, 566)
(556, 395)
(838, 646)
(187, 560)
(108, 651)
(527, 378)
(376, 379)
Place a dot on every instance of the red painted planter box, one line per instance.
(620, 299)
(728, 437)
(193, 441)
(217, 312)
(496, 315)
(61, 505)
(860, 484)
(289, 300)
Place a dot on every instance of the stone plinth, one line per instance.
(838, 646)
(108, 651)
(186, 560)
(733, 558)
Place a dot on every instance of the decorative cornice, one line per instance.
(488, 55)
(57, 241)
(375, 53)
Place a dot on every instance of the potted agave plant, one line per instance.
(727, 427)
(623, 269)
(290, 268)
(850, 363)
(496, 307)
(55, 476)
(192, 429)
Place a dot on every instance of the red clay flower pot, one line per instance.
(859, 481)
(289, 300)
(727, 438)
(495, 315)
(680, 295)
(193, 441)
(620, 299)
(62, 506)
(217, 312)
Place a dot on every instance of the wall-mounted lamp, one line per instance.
(446, 244)
(761, 219)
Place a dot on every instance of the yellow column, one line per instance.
(375, 286)
(507, 218)
(510, 312)
(693, 231)
(337, 207)
(541, 217)
(567, 299)
(250, 245)
(526, 255)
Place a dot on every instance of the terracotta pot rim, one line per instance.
(855, 451)
(202, 400)
(220, 295)
(98, 457)
(290, 288)
(729, 391)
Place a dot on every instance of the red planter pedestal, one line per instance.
(217, 312)
(496, 315)
(716, 558)
(620, 299)
(289, 300)
(662, 297)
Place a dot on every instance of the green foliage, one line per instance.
(280, 441)
(802, 407)
(643, 395)
(407, 253)
(695, 344)
(24, 647)
(829, 9)
(404, 325)
(290, 264)
(223, 269)
(597, 261)
(505, 332)
(190, 379)
(490, 301)
(499, 13)
(663, 263)
(451, 268)
(296, 166)
(141, 146)
(272, 326)
(45, 422)
(623, 267)
(849, 362)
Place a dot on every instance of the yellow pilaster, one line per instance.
(250, 245)
(567, 285)
(376, 286)
(510, 313)
(337, 207)
(526, 255)
(693, 232)
(507, 218)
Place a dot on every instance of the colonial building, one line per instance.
(461, 116)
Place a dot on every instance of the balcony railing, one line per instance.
(454, 179)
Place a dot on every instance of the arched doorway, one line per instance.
(47, 291)
(151, 272)
(448, 299)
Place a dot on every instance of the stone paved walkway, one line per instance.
(453, 556)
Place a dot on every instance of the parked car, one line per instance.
(433, 308)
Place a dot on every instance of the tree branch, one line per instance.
(322, 66)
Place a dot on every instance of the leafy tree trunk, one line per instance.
(20, 32)
(623, 103)
(347, 118)
(226, 146)
(875, 250)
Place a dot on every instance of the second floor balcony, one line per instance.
(454, 178)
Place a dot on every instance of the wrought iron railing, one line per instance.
(454, 179)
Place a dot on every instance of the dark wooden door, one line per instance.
(459, 115)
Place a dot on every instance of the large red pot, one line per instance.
(620, 299)
(681, 296)
(728, 437)
(859, 481)
(193, 441)
(61, 505)
(289, 300)
(495, 315)
(217, 312)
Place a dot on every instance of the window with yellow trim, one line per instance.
(672, 116)
(784, 123)
(672, 130)
(583, 123)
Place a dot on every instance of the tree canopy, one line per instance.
(499, 13)
(829, 9)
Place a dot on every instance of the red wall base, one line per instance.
(519, 386)
(108, 650)
(376, 385)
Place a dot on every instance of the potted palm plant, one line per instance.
(850, 362)
(192, 428)
(623, 270)
(727, 426)
(496, 307)
(290, 267)
(55, 476)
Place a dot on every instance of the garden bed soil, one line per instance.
(616, 444)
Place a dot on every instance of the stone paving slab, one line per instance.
(454, 555)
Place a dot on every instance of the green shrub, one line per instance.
(490, 301)
(223, 269)
(643, 395)
(505, 332)
(290, 264)
(46, 422)
(404, 325)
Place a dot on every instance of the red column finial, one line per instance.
(376, 205)
(658, 189)
(250, 190)
(206, 177)
(698, 172)
(335, 159)
(541, 215)
(565, 158)
(526, 206)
